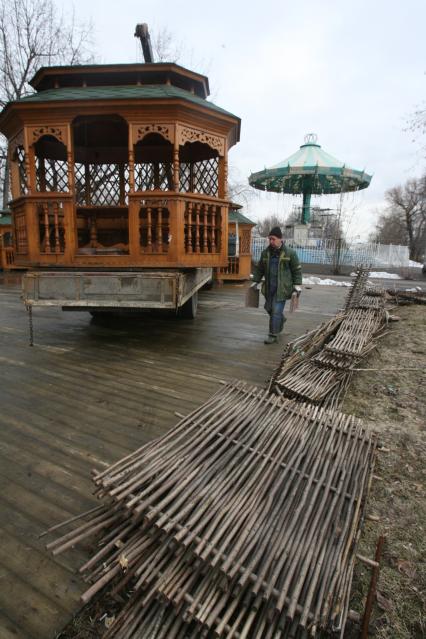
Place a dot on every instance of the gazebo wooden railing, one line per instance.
(159, 228)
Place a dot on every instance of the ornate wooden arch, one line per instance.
(189, 134)
(59, 132)
(140, 131)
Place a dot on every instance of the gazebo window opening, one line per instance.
(206, 177)
(19, 159)
(185, 177)
(150, 177)
(154, 229)
(101, 184)
(103, 231)
(51, 227)
(203, 223)
(153, 164)
(51, 166)
(198, 169)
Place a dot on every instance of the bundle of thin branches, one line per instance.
(407, 297)
(241, 521)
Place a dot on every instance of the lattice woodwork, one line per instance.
(150, 176)
(51, 227)
(205, 177)
(165, 130)
(101, 184)
(19, 158)
(245, 242)
(188, 134)
(20, 232)
(202, 228)
(185, 177)
(154, 225)
(51, 175)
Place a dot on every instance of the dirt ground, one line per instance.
(392, 402)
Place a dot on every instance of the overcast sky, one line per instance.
(351, 72)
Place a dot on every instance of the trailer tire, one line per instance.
(189, 309)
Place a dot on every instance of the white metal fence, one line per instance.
(314, 251)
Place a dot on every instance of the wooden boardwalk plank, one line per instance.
(86, 394)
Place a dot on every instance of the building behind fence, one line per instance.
(344, 253)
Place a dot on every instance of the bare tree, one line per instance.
(264, 226)
(34, 33)
(166, 47)
(417, 126)
(404, 218)
(390, 228)
(408, 202)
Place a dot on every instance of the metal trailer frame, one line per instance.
(113, 290)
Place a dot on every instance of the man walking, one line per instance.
(280, 267)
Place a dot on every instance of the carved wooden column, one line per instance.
(131, 156)
(223, 177)
(176, 167)
(69, 207)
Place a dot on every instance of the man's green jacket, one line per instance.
(289, 272)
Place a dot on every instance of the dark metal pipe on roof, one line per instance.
(142, 33)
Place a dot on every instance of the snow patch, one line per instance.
(312, 281)
(385, 276)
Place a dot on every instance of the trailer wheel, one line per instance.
(189, 309)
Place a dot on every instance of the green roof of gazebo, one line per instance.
(236, 216)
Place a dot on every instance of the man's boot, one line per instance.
(271, 339)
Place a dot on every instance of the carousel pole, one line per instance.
(306, 208)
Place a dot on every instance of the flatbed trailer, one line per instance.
(102, 291)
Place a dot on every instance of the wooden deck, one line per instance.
(88, 393)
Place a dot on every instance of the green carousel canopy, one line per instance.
(310, 171)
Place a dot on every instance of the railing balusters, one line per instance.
(56, 222)
(47, 248)
(149, 229)
(160, 229)
(212, 229)
(189, 228)
(197, 228)
(202, 228)
(93, 231)
(205, 230)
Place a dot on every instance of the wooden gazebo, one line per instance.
(119, 166)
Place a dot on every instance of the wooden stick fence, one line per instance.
(319, 366)
(240, 522)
